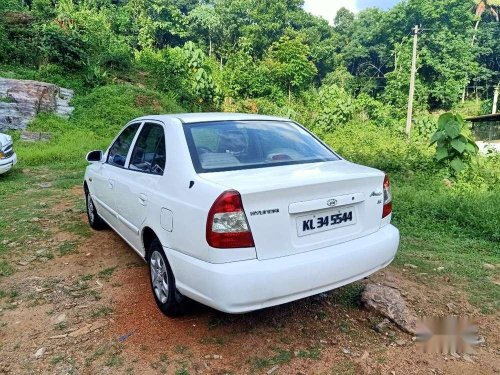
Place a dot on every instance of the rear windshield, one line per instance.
(231, 145)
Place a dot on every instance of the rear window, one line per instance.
(231, 145)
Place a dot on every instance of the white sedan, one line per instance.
(239, 212)
(8, 157)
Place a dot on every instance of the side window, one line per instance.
(149, 150)
(119, 150)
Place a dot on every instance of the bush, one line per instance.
(379, 147)
(106, 109)
(368, 108)
(454, 145)
(334, 107)
(63, 46)
(424, 201)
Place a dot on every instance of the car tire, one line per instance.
(169, 300)
(95, 221)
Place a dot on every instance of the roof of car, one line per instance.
(188, 118)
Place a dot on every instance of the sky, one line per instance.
(328, 8)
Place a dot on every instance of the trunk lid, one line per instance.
(297, 208)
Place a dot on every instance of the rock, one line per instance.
(409, 265)
(23, 99)
(39, 353)
(382, 326)
(44, 185)
(388, 302)
(87, 328)
(64, 335)
(80, 331)
(272, 370)
(346, 351)
(61, 318)
(488, 266)
(401, 342)
(440, 269)
(26, 261)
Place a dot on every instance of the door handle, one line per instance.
(143, 199)
(111, 184)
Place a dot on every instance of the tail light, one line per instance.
(387, 197)
(227, 225)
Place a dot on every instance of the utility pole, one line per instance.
(412, 82)
(495, 99)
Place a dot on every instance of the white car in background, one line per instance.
(8, 157)
(239, 212)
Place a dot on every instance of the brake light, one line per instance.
(227, 225)
(387, 197)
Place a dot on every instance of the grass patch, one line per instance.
(348, 296)
(107, 272)
(311, 353)
(452, 229)
(114, 360)
(56, 359)
(101, 312)
(67, 247)
(281, 356)
(5, 268)
(344, 367)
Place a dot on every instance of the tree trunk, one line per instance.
(289, 93)
(209, 46)
(472, 44)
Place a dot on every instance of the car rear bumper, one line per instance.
(7, 164)
(243, 286)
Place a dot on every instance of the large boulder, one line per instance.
(21, 100)
(389, 303)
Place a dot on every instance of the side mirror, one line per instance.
(94, 156)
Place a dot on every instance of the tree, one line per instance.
(206, 22)
(289, 64)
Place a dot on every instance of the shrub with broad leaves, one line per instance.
(454, 145)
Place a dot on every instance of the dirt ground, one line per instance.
(91, 311)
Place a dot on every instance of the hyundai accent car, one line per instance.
(239, 212)
(8, 157)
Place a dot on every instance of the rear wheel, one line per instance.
(166, 295)
(95, 221)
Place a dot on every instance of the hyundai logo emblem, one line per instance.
(331, 202)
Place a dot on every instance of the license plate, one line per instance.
(325, 220)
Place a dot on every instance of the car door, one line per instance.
(137, 184)
(104, 179)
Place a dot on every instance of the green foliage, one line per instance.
(289, 65)
(63, 46)
(95, 76)
(203, 86)
(424, 127)
(95, 121)
(186, 72)
(454, 146)
(106, 109)
(379, 147)
(368, 108)
(335, 107)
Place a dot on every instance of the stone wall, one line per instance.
(22, 100)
